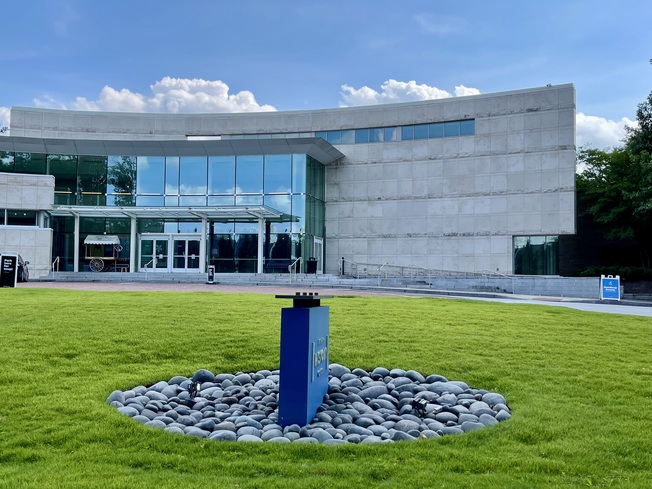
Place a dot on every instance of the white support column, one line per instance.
(75, 265)
(132, 247)
(202, 245)
(261, 235)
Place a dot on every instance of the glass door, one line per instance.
(318, 251)
(186, 254)
(154, 254)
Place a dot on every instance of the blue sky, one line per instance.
(210, 56)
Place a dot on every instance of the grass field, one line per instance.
(579, 385)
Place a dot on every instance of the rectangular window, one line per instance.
(221, 175)
(390, 133)
(150, 175)
(407, 133)
(536, 255)
(451, 129)
(91, 180)
(348, 137)
(321, 134)
(436, 130)
(249, 174)
(193, 176)
(21, 218)
(421, 131)
(172, 175)
(361, 136)
(121, 181)
(33, 163)
(467, 128)
(376, 135)
(278, 174)
(334, 137)
(6, 161)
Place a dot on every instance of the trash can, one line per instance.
(211, 275)
(311, 265)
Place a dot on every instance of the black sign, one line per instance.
(9, 270)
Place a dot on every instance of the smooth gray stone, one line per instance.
(445, 388)
(278, 439)
(334, 382)
(353, 383)
(139, 390)
(149, 413)
(116, 404)
(174, 430)
(372, 439)
(129, 411)
(383, 372)
(141, 419)
(116, 396)
(445, 417)
(223, 435)
(219, 378)
(430, 434)
(500, 407)
(199, 433)
(268, 435)
(351, 398)
(249, 430)
(305, 440)
(203, 375)
(406, 425)
(206, 424)
(365, 422)
(294, 428)
(170, 391)
(375, 417)
(463, 418)
(337, 370)
(361, 407)
(272, 426)
(381, 404)
(480, 412)
(452, 430)
(353, 438)
(359, 372)
(434, 425)
(155, 423)
(186, 420)
(471, 426)
(427, 395)
(265, 384)
(163, 419)
(353, 429)
(159, 386)
(447, 400)
(503, 416)
(459, 409)
(335, 442)
(242, 379)
(462, 385)
(321, 435)
(247, 421)
(129, 394)
(402, 436)
(488, 420)
(399, 381)
(415, 376)
(373, 392)
(292, 435)
(177, 380)
(478, 405)
(397, 372)
(491, 398)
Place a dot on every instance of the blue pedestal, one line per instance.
(304, 363)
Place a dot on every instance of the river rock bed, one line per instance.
(378, 406)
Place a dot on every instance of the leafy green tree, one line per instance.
(615, 187)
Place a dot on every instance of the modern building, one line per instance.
(469, 184)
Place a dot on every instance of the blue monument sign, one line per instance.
(610, 287)
(303, 378)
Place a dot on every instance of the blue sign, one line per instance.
(303, 378)
(610, 287)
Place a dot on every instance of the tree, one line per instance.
(616, 186)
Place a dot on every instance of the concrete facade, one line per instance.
(34, 243)
(449, 203)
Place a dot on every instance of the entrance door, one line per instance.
(318, 251)
(154, 254)
(186, 255)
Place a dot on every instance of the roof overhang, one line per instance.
(315, 147)
(242, 213)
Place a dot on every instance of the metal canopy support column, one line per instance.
(132, 247)
(75, 266)
(202, 245)
(261, 234)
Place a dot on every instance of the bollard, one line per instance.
(211, 275)
(303, 381)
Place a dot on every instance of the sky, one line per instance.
(260, 55)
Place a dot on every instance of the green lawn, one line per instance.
(579, 385)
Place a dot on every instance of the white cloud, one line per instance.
(393, 91)
(599, 132)
(438, 25)
(174, 95)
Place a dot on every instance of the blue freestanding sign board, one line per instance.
(304, 359)
(610, 287)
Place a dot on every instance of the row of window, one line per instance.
(400, 133)
(434, 130)
(13, 217)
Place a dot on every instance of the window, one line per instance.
(536, 255)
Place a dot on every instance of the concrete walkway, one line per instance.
(625, 307)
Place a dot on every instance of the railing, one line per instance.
(293, 268)
(145, 267)
(55, 263)
(385, 270)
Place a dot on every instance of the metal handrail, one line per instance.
(145, 267)
(292, 268)
(385, 270)
(55, 262)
